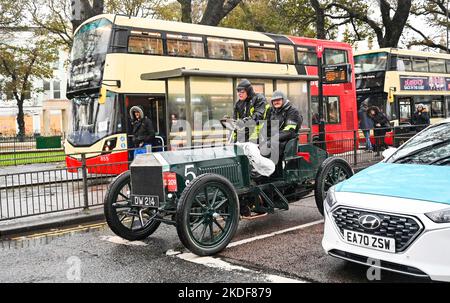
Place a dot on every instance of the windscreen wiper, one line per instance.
(444, 160)
(437, 144)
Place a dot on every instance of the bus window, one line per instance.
(448, 106)
(211, 100)
(437, 65)
(437, 108)
(145, 45)
(223, 48)
(331, 109)
(262, 52)
(335, 56)
(296, 94)
(420, 65)
(185, 46)
(370, 62)
(447, 63)
(405, 110)
(305, 57)
(287, 54)
(404, 64)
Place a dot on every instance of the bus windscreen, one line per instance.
(370, 62)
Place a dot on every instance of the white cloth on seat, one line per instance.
(262, 165)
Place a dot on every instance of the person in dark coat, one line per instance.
(250, 106)
(142, 128)
(421, 118)
(365, 122)
(381, 127)
(289, 122)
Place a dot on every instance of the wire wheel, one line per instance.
(331, 172)
(207, 214)
(127, 221)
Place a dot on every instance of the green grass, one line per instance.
(31, 157)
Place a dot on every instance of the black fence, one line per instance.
(36, 192)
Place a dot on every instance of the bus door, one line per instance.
(154, 108)
(405, 110)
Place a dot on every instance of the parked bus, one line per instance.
(397, 80)
(111, 53)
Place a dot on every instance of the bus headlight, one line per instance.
(109, 145)
(440, 216)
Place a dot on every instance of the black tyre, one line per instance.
(207, 214)
(126, 221)
(332, 171)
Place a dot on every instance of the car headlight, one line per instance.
(331, 197)
(440, 216)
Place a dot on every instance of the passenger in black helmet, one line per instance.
(289, 122)
(250, 106)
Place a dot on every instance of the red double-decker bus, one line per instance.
(340, 111)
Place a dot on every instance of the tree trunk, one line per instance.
(394, 27)
(213, 13)
(320, 19)
(186, 10)
(20, 120)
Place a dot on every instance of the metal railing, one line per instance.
(36, 192)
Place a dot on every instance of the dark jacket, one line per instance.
(253, 108)
(380, 121)
(289, 121)
(143, 131)
(422, 119)
(365, 123)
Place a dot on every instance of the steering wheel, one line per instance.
(230, 124)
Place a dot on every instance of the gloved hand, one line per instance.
(240, 124)
(246, 119)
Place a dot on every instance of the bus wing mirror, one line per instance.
(102, 95)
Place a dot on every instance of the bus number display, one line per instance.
(333, 74)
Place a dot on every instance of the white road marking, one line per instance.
(220, 264)
(119, 240)
(245, 241)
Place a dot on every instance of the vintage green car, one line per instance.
(200, 190)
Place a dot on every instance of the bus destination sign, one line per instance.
(339, 73)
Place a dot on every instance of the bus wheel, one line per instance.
(332, 171)
(207, 214)
(126, 221)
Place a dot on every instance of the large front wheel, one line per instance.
(127, 221)
(207, 214)
(332, 171)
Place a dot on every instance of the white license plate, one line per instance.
(142, 200)
(369, 241)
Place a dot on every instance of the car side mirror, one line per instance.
(389, 152)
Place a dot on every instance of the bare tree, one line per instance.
(214, 12)
(394, 16)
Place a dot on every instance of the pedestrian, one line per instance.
(420, 118)
(251, 107)
(142, 129)
(365, 123)
(381, 127)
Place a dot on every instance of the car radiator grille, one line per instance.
(402, 228)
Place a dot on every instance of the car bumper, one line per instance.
(428, 255)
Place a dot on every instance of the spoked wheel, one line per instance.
(127, 221)
(332, 171)
(207, 214)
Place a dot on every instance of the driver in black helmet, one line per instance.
(250, 106)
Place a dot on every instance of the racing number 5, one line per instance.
(189, 173)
